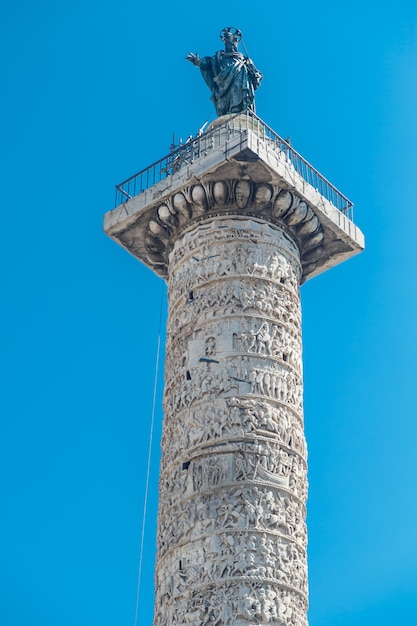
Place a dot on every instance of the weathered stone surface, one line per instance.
(244, 174)
(234, 232)
(231, 532)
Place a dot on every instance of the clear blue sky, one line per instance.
(92, 92)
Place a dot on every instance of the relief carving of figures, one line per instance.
(201, 383)
(219, 260)
(246, 555)
(266, 417)
(209, 234)
(258, 341)
(210, 346)
(188, 278)
(270, 464)
(267, 598)
(236, 417)
(239, 417)
(258, 604)
(231, 529)
(209, 472)
(237, 509)
(232, 298)
(266, 339)
(274, 265)
(280, 385)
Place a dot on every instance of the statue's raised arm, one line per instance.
(231, 77)
(193, 58)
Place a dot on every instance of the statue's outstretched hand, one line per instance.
(193, 58)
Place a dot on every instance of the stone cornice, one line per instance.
(235, 169)
(151, 235)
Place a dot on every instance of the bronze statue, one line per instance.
(231, 76)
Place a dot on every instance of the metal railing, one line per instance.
(220, 136)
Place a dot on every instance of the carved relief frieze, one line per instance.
(233, 417)
(278, 377)
(247, 198)
(230, 299)
(216, 261)
(204, 382)
(210, 381)
(235, 602)
(243, 556)
(231, 524)
(270, 508)
(247, 572)
(208, 234)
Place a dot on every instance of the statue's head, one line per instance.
(231, 37)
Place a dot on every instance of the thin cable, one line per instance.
(148, 469)
(244, 47)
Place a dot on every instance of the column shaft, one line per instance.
(231, 525)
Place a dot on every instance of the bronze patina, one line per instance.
(231, 76)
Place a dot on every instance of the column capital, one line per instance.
(236, 168)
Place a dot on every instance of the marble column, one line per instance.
(235, 222)
(231, 535)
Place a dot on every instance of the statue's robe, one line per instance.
(232, 79)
